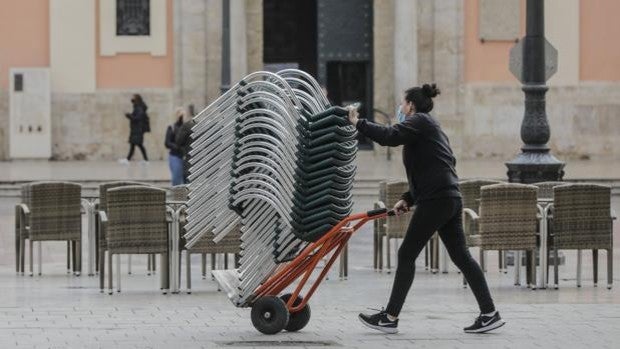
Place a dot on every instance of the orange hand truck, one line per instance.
(272, 313)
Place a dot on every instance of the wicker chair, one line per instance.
(100, 236)
(389, 227)
(470, 190)
(228, 245)
(507, 220)
(545, 189)
(582, 219)
(135, 222)
(50, 211)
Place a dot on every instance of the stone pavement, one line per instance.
(371, 165)
(60, 311)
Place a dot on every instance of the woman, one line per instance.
(175, 156)
(138, 123)
(433, 188)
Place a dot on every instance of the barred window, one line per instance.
(133, 17)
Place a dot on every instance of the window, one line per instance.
(133, 18)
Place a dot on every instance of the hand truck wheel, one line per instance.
(269, 315)
(297, 320)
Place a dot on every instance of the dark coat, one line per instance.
(136, 121)
(183, 141)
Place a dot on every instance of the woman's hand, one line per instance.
(353, 116)
(401, 207)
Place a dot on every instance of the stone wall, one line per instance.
(93, 126)
(584, 120)
(4, 124)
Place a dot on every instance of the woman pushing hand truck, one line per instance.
(433, 188)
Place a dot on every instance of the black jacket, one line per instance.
(136, 120)
(428, 158)
(183, 141)
(170, 142)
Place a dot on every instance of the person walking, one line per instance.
(433, 189)
(138, 125)
(175, 155)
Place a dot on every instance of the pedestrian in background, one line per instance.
(183, 141)
(138, 125)
(175, 155)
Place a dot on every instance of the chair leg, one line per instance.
(188, 271)
(388, 254)
(203, 265)
(110, 273)
(483, 264)
(533, 270)
(78, 247)
(31, 258)
(556, 273)
(380, 252)
(346, 261)
(101, 262)
(610, 268)
(165, 275)
(499, 261)
(595, 266)
(154, 264)
(426, 257)
(375, 263)
(213, 266)
(148, 264)
(17, 240)
(129, 265)
(578, 268)
(68, 257)
(517, 263)
(118, 273)
(40, 257)
(225, 261)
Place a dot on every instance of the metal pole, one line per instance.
(534, 163)
(225, 46)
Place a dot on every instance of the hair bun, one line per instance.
(430, 90)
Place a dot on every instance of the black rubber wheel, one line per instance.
(269, 315)
(297, 320)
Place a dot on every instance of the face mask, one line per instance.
(400, 116)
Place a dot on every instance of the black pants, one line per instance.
(444, 216)
(131, 149)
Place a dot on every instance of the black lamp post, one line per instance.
(535, 163)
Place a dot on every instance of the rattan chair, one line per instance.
(545, 189)
(507, 220)
(394, 227)
(135, 222)
(582, 219)
(470, 190)
(50, 211)
(231, 244)
(100, 237)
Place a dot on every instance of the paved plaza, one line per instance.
(56, 310)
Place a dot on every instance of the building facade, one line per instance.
(87, 57)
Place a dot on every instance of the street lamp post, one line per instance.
(535, 163)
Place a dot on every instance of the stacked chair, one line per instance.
(272, 157)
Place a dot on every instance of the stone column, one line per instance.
(447, 67)
(405, 47)
(254, 34)
(214, 49)
(383, 52)
(190, 52)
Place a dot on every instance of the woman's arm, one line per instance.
(391, 136)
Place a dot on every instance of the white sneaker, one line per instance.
(123, 161)
(144, 162)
